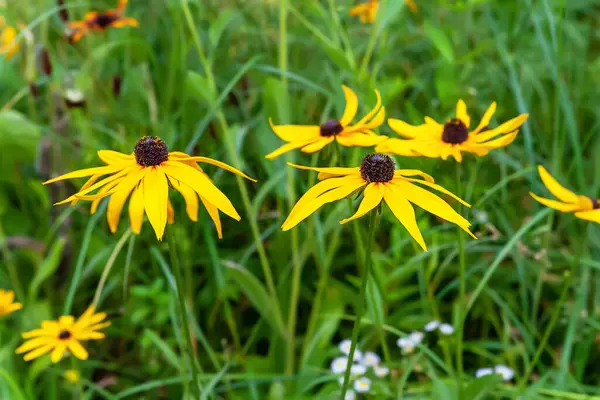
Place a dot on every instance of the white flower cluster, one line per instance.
(506, 372)
(443, 328)
(360, 366)
(410, 342)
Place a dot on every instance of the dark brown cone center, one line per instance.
(150, 151)
(105, 20)
(595, 203)
(331, 128)
(377, 168)
(455, 132)
(64, 335)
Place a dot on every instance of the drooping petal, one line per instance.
(136, 209)
(374, 114)
(105, 170)
(330, 171)
(502, 141)
(557, 205)
(190, 197)
(114, 157)
(289, 147)
(202, 185)
(82, 193)
(304, 209)
(156, 194)
(213, 212)
(58, 352)
(413, 172)
(439, 189)
(412, 131)
(101, 192)
(461, 113)
(318, 144)
(487, 117)
(593, 215)
(219, 164)
(404, 212)
(118, 199)
(351, 106)
(170, 212)
(89, 183)
(561, 193)
(296, 133)
(373, 195)
(77, 349)
(507, 127)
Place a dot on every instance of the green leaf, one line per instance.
(441, 42)
(46, 269)
(479, 388)
(197, 86)
(165, 349)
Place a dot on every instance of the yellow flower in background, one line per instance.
(412, 5)
(62, 335)
(94, 21)
(7, 302)
(146, 175)
(379, 181)
(312, 138)
(366, 11)
(73, 376)
(8, 43)
(436, 140)
(584, 207)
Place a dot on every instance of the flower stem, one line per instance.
(11, 266)
(361, 298)
(462, 291)
(109, 265)
(182, 310)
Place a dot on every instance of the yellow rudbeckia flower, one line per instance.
(452, 138)
(62, 335)
(8, 43)
(7, 302)
(95, 21)
(146, 175)
(312, 138)
(73, 376)
(379, 181)
(584, 207)
(366, 11)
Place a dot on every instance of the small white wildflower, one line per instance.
(345, 345)
(406, 344)
(416, 337)
(370, 359)
(362, 385)
(338, 365)
(357, 369)
(506, 372)
(381, 372)
(446, 329)
(483, 372)
(341, 380)
(480, 216)
(432, 326)
(350, 395)
(472, 91)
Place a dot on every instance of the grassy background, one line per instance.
(205, 76)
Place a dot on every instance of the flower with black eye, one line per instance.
(7, 302)
(95, 21)
(366, 11)
(8, 40)
(379, 181)
(452, 138)
(584, 207)
(64, 334)
(312, 138)
(146, 175)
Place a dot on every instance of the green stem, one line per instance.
(109, 265)
(182, 310)
(11, 267)
(361, 298)
(462, 291)
(370, 48)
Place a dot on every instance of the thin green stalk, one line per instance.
(185, 324)
(361, 298)
(232, 153)
(10, 266)
(109, 265)
(462, 291)
(370, 48)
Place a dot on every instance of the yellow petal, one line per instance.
(593, 215)
(412, 131)
(360, 140)
(318, 144)
(77, 349)
(81, 194)
(213, 212)
(103, 190)
(38, 352)
(461, 113)
(333, 171)
(156, 194)
(373, 195)
(136, 209)
(561, 193)
(201, 185)
(170, 212)
(289, 147)
(33, 344)
(351, 106)
(505, 128)
(557, 205)
(439, 189)
(413, 172)
(114, 157)
(359, 9)
(58, 352)
(89, 183)
(399, 147)
(108, 169)
(190, 197)
(502, 141)
(303, 209)
(118, 199)
(487, 117)
(431, 203)
(376, 116)
(125, 21)
(219, 164)
(296, 133)
(404, 212)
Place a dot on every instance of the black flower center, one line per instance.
(151, 150)
(331, 128)
(377, 168)
(64, 335)
(455, 132)
(595, 203)
(104, 20)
